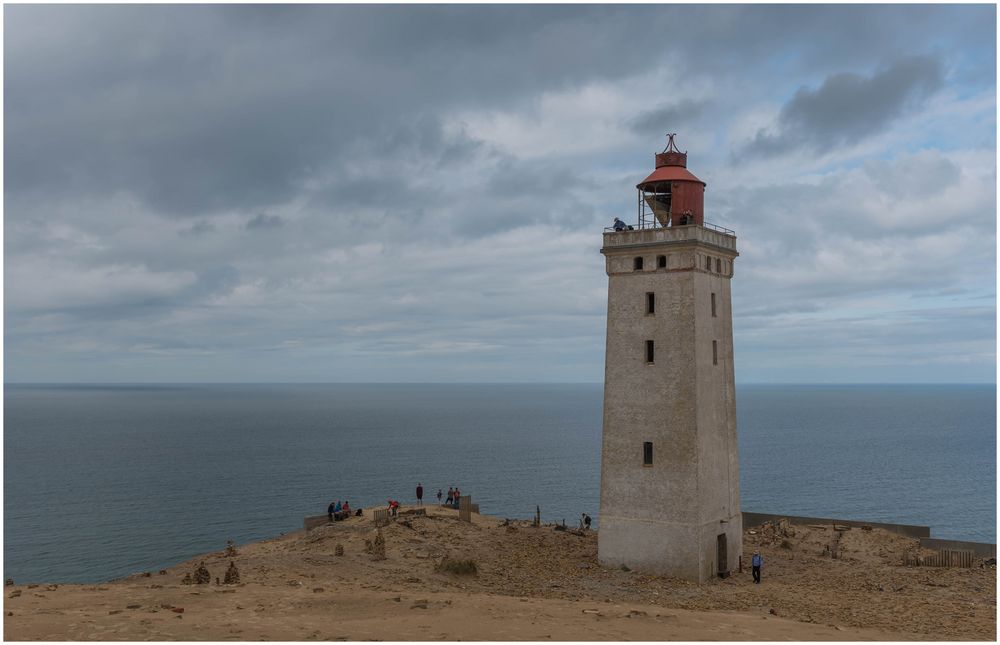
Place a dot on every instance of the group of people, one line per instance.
(337, 511)
(452, 499)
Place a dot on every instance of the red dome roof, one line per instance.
(669, 173)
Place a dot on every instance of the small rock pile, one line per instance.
(232, 574)
(231, 551)
(201, 575)
(376, 548)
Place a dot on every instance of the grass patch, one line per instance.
(458, 567)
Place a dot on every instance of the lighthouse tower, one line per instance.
(670, 500)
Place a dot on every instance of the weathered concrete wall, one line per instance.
(981, 549)
(666, 517)
(909, 530)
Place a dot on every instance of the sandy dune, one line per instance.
(532, 584)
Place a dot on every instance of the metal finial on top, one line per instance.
(671, 146)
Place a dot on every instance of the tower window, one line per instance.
(718, 265)
(708, 263)
(650, 302)
(649, 351)
(647, 453)
(637, 264)
(715, 352)
(661, 261)
(713, 306)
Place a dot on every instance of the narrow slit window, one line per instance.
(715, 352)
(649, 351)
(718, 265)
(647, 453)
(708, 263)
(661, 261)
(713, 306)
(650, 302)
(637, 264)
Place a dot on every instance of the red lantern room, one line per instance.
(671, 195)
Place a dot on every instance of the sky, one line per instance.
(365, 193)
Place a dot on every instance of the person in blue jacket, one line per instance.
(757, 562)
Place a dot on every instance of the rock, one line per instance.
(201, 575)
(132, 606)
(114, 611)
(163, 572)
(338, 550)
(231, 551)
(188, 580)
(177, 610)
(419, 605)
(232, 574)
(378, 546)
(8, 582)
(146, 574)
(318, 590)
(15, 593)
(772, 612)
(591, 611)
(397, 599)
(10, 613)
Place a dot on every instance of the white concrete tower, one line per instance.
(670, 500)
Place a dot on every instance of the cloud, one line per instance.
(261, 221)
(848, 107)
(294, 191)
(667, 117)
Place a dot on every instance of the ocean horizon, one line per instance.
(105, 480)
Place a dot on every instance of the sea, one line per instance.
(103, 481)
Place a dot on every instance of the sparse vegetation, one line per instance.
(785, 544)
(458, 567)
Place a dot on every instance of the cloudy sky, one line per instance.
(407, 193)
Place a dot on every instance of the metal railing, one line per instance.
(708, 225)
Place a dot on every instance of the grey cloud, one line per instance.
(196, 229)
(849, 106)
(668, 117)
(145, 136)
(261, 220)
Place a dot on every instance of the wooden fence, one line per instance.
(381, 517)
(943, 558)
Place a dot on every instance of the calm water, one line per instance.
(104, 481)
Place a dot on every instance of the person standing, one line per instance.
(420, 494)
(329, 511)
(757, 562)
(451, 496)
(439, 497)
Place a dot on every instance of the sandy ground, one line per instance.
(532, 584)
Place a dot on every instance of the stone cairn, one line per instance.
(201, 575)
(377, 548)
(231, 551)
(338, 550)
(232, 574)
